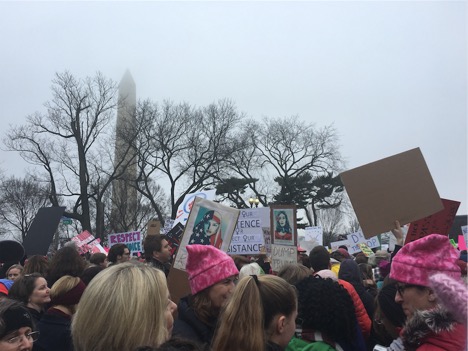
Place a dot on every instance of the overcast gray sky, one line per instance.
(390, 76)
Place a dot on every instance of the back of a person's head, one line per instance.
(254, 304)
(319, 258)
(67, 291)
(89, 273)
(121, 297)
(66, 261)
(293, 273)
(250, 269)
(325, 306)
(36, 264)
(97, 258)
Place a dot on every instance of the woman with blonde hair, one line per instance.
(125, 307)
(14, 272)
(261, 315)
(54, 326)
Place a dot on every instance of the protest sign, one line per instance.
(131, 239)
(248, 235)
(359, 238)
(461, 243)
(365, 249)
(153, 227)
(168, 225)
(87, 243)
(464, 230)
(399, 187)
(281, 255)
(336, 244)
(209, 223)
(314, 234)
(266, 248)
(438, 223)
(174, 237)
(283, 224)
(184, 208)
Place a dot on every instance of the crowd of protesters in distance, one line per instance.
(414, 298)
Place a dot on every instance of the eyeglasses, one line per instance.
(16, 340)
(402, 287)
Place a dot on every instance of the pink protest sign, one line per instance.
(461, 243)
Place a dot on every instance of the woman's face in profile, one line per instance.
(211, 227)
(282, 219)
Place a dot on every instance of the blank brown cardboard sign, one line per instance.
(399, 187)
(178, 284)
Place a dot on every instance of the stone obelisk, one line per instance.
(124, 195)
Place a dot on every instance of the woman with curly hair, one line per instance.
(36, 264)
(66, 261)
(261, 315)
(326, 316)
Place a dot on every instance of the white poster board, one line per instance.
(184, 208)
(314, 234)
(281, 255)
(248, 236)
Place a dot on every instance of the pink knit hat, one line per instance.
(418, 260)
(206, 266)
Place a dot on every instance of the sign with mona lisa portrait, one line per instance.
(283, 224)
(209, 223)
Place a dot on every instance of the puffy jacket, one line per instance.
(301, 345)
(365, 323)
(434, 330)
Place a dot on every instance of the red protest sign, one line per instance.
(438, 223)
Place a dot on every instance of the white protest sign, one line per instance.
(464, 229)
(168, 225)
(314, 234)
(131, 239)
(248, 235)
(184, 208)
(359, 238)
(266, 248)
(282, 255)
(336, 244)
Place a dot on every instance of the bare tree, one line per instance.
(67, 141)
(20, 199)
(184, 147)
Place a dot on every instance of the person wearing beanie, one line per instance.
(16, 327)
(429, 325)
(54, 326)
(211, 274)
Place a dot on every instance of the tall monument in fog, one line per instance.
(124, 196)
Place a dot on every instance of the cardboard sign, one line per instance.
(314, 234)
(178, 284)
(131, 239)
(281, 255)
(153, 227)
(42, 230)
(186, 206)
(399, 187)
(248, 235)
(438, 223)
(209, 223)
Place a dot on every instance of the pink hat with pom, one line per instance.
(418, 260)
(206, 266)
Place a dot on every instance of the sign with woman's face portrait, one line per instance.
(209, 223)
(283, 225)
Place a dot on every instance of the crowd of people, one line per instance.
(414, 298)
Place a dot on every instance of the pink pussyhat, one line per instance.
(206, 266)
(452, 294)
